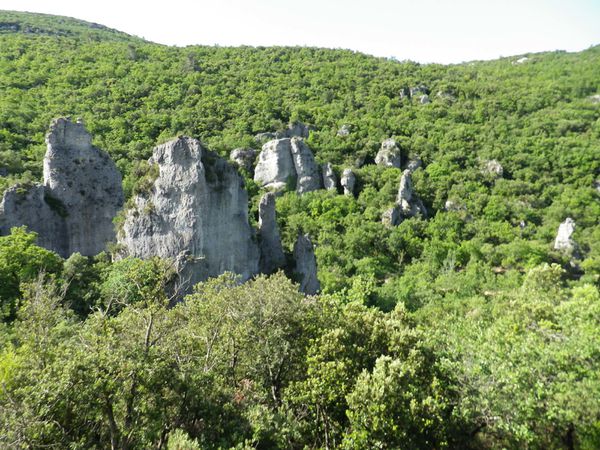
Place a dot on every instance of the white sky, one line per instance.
(444, 31)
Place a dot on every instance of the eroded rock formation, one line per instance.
(73, 210)
(564, 240)
(389, 155)
(329, 178)
(407, 203)
(348, 181)
(196, 213)
(287, 161)
(306, 265)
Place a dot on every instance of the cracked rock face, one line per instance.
(285, 161)
(73, 210)
(392, 217)
(195, 213)
(348, 181)
(271, 251)
(389, 155)
(86, 181)
(306, 265)
(329, 178)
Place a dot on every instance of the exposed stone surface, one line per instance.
(271, 251)
(389, 154)
(597, 185)
(195, 213)
(74, 209)
(26, 205)
(404, 93)
(407, 203)
(308, 177)
(392, 217)
(329, 178)
(284, 161)
(275, 167)
(452, 205)
(244, 158)
(424, 99)
(493, 168)
(344, 131)
(564, 240)
(306, 265)
(348, 181)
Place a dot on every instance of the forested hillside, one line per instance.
(463, 328)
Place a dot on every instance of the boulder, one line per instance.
(348, 181)
(404, 93)
(271, 251)
(493, 167)
(195, 213)
(244, 158)
(73, 210)
(329, 178)
(424, 99)
(306, 265)
(275, 167)
(564, 241)
(389, 154)
(308, 176)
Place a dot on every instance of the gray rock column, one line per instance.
(306, 265)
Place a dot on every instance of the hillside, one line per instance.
(475, 284)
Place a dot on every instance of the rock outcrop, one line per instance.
(348, 181)
(424, 99)
(196, 213)
(244, 158)
(329, 178)
(493, 168)
(271, 251)
(389, 154)
(73, 210)
(308, 177)
(30, 206)
(306, 265)
(275, 167)
(564, 240)
(287, 161)
(407, 203)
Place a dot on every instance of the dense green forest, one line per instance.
(463, 329)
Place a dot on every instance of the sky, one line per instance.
(440, 31)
